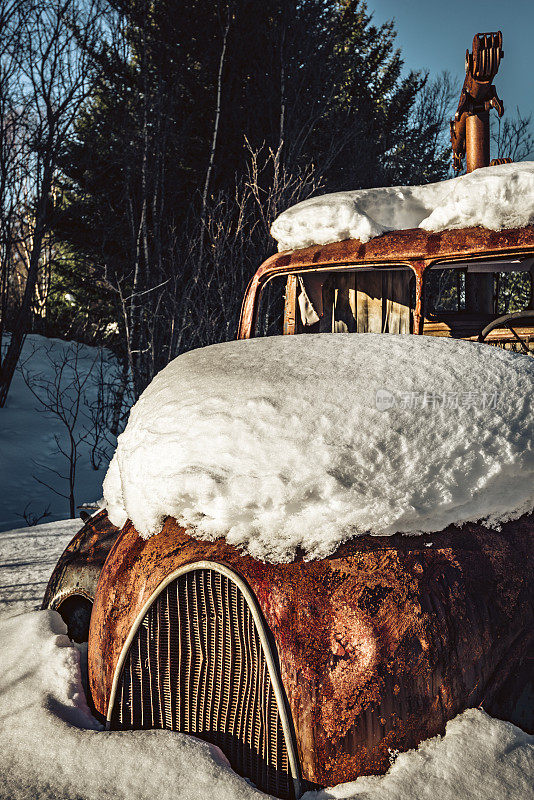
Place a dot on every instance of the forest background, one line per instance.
(146, 146)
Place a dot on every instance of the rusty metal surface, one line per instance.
(78, 568)
(290, 307)
(496, 162)
(470, 131)
(477, 141)
(379, 644)
(414, 248)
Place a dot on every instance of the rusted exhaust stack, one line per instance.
(470, 128)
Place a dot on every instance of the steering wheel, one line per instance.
(507, 321)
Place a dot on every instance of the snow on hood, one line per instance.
(53, 749)
(305, 441)
(493, 197)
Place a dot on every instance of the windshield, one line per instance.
(343, 301)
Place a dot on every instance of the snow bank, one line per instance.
(280, 443)
(492, 197)
(479, 758)
(52, 749)
(29, 451)
(28, 556)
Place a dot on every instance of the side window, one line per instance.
(478, 288)
(362, 301)
(269, 321)
(513, 292)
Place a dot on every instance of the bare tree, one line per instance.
(513, 137)
(216, 122)
(81, 394)
(32, 518)
(435, 106)
(13, 157)
(106, 406)
(237, 239)
(45, 50)
(62, 396)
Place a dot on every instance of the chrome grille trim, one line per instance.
(244, 712)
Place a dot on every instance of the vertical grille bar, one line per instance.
(196, 664)
(164, 615)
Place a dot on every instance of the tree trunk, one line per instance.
(20, 329)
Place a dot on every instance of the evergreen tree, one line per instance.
(187, 91)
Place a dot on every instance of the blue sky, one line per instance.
(435, 35)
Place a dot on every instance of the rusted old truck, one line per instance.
(310, 673)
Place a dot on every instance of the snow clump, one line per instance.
(492, 197)
(306, 441)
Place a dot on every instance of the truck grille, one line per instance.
(196, 664)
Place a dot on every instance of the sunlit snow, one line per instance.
(27, 558)
(305, 441)
(492, 197)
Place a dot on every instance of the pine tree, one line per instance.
(187, 91)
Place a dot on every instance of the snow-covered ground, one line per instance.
(27, 558)
(493, 197)
(305, 441)
(51, 748)
(28, 448)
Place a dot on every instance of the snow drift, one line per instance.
(492, 197)
(306, 441)
(53, 749)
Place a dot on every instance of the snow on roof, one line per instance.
(492, 197)
(305, 441)
(53, 748)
